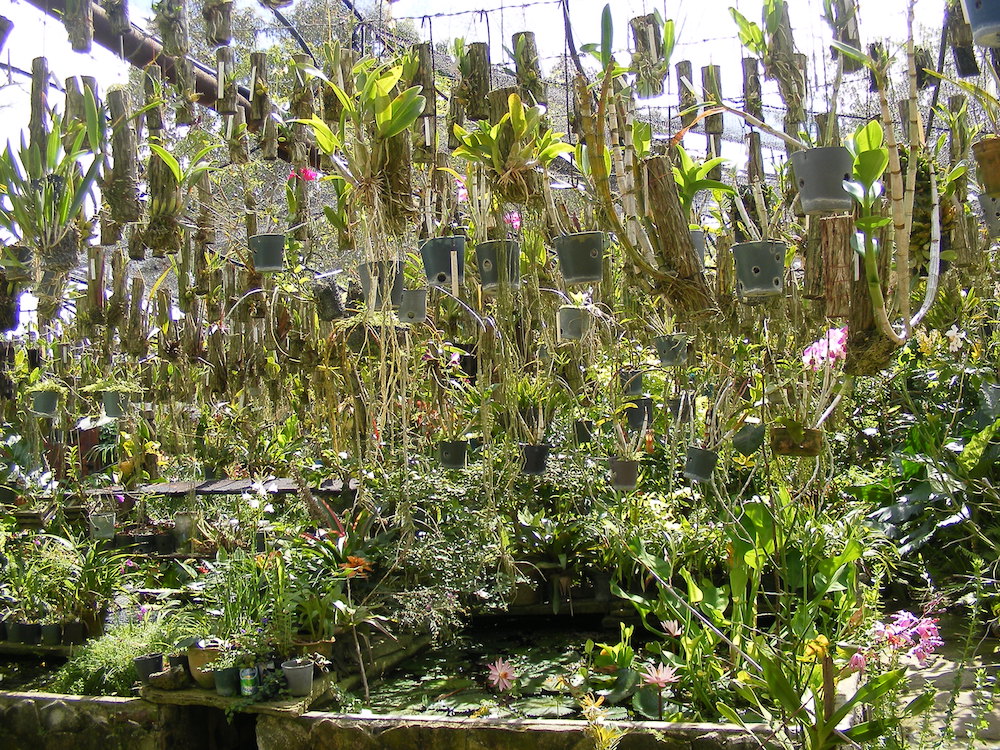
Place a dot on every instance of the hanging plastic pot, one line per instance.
(987, 154)
(991, 214)
(382, 283)
(413, 306)
(115, 403)
(583, 431)
(820, 175)
(268, 252)
(760, 268)
(749, 439)
(453, 453)
(581, 257)
(573, 322)
(499, 263)
(639, 414)
(102, 525)
(785, 442)
(680, 407)
(534, 458)
(984, 18)
(45, 403)
(624, 473)
(699, 464)
(631, 381)
(443, 258)
(698, 240)
(672, 349)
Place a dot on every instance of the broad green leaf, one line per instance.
(169, 160)
(607, 37)
(779, 687)
(972, 453)
(870, 165)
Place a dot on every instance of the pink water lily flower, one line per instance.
(659, 676)
(502, 675)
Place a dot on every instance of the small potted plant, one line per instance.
(299, 674)
(574, 319)
(537, 399)
(624, 464)
(45, 397)
(692, 177)
(116, 394)
(226, 671)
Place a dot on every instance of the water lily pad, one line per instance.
(461, 705)
(547, 707)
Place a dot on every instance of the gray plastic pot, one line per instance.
(581, 256)
(573, 322)
(760, 268)
(984, 18)
(699, 464)
(382, 283)
(268, 252)
(146, 665)
(499, 263)
(698, 240)
(991, 214)
(453, 453)
(749, 439)
(631, 381)
(624, 473)
(672, 349)
(102, 525)
(115, 403)
(413, 306)
(45, 403)
(639, 413)
(299, 675)
(438, 255)
(820, 175)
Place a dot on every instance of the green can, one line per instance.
(248, 681)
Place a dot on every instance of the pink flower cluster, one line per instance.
(513, 219)
(827, 350)
(305, 174)
(916, 636)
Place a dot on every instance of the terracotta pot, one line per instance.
(785, 444)
(198, 658)
(987, 154)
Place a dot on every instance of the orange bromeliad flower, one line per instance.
(356, 566)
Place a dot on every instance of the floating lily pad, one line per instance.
(547, 707)
(461, 705)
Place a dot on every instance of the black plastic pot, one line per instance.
(29, 633)
(381, 283)
(413, 306)
(749, 439)
(639, 413)
(146, 665)
(534, 458)
(179, 660)
(984, 18)
(51, 634)
(145, 544)
(115, 403)
(3, 629)
(631, 381)
(624, 473)
(680, 407)
(164, 543)
(453, 453)
(760, 268)
(74, 633)
(672, 349)
(583, 431)
(820, 174)
(227, 681)
(573, 322)
(499, 263)
(581, 257)
(444, 256)
(268, 252)
(699, 464)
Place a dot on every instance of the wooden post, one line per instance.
(753, 103)
(686, 92)
(135, 342)
(95, 284)
(269, 140)
(122, 189)
(301, 105)
(710, 75)
(152, 86)
(845, 14)
(239, 137)
(426, 136)
(79, 22)
(478, 59)
(528, 69)
(962, 47)
(38, 122)
(184, 113)
(650, 75)
(260, 98)
(117, 11)
(75, 109)
(218, 15)
(812, 287)
(840, 264)
(225, 101)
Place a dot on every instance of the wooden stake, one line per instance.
(528, 69)
(38, 121)
(710, 81)
(218, 15)
(840, 264)
(754, 106)
(478, 58)
(122, 189)
(225, 102)
(686, 92)
(79, 22)
(260, 98)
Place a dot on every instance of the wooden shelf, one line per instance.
(240, 704)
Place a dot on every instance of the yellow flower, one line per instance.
(815, 649)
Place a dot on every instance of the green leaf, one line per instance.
(405, 109)
(870, 165)
(972, 453)
(607, 37)
(870, 224)
(779, 687)
(868, 693)
(169, 160)
(855, 189)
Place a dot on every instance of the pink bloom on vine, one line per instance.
(304, 173)
(514, 220)
(659, 676)
(501, 675)
(461, 194)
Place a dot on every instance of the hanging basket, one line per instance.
(382, 283)
(453, 453)
(444, 258)
(581, 257)
(760, 268)
(699, 464)
(45, 403)
(984, 17)
(413, 306)
(534, 458)
(749, 439)
(784, 443)
(268, 252)
(672, 349)
(987, 154)
(573, 322)
(499, 263)
(624, 473)
(639, 414)
(991, 214)
(820, 175)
